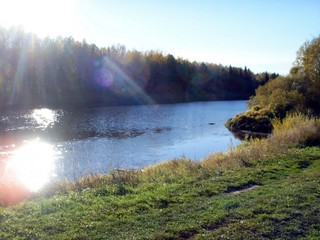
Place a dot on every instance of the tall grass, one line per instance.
(296, 130)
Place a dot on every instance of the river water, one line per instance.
(97, 140)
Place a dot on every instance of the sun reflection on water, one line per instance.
(32, 165)
(44, 117)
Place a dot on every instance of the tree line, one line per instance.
(65, 72)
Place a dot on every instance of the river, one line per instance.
(73, 143)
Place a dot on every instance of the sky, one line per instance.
(263, 35)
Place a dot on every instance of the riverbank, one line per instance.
(264, 189)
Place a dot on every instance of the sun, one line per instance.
(42, 17)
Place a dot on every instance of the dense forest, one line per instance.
(65, 72)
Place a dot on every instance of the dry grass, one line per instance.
(296, 130)
(90, 181)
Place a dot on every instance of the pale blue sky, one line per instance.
(263, 35)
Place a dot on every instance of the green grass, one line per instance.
(264, 189)
(285, 205)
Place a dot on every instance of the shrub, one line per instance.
(254, 120)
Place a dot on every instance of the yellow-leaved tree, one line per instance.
(297, 92)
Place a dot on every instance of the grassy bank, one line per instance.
(264, 189)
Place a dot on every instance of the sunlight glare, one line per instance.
(42, 17)
(33, 164)
(44, 117)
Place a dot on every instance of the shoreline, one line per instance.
(265, 188)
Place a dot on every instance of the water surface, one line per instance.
(97, 140)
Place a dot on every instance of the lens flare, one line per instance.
(104, 78)
(110, 76)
